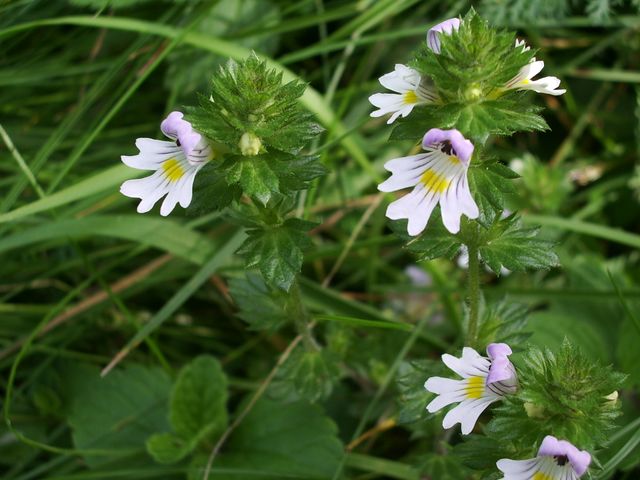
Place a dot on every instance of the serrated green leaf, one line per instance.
(167, 448)
(306, 375)
(211, 192)
(255, 177)
(261, 307)
(249, 97)
(434, 242)
(199, 399)
(488, 186)
(443, 467)
(509, 245)
(296, 172)
(277, 251)
(117, 412)
(278, 441)
(414, 398)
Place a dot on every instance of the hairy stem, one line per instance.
(301, 318)
(474, 293)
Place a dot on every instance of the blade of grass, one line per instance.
(311, 98)
(586, 228)
(216, 260)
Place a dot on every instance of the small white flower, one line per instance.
(410, 91)
(175, 166)
(438, 176)
(524, 80)
(556, 460)
(484, 381)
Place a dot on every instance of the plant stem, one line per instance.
(301, 317)
(474, 293)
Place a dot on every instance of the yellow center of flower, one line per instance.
(434, 181)
(525, 81)
(410, 97)
(172, 170)
(453, 159)
(542, 476)
(475, 387)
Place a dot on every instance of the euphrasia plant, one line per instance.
(242, 151)
(466, 83)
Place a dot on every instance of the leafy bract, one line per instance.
(261, 307)
(276, 250)
(507, 244)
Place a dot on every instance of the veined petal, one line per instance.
(175, 166)
(445, 28)
(467, 413)
(401, 80)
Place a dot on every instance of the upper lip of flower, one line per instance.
(178, 129)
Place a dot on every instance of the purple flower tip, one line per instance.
(500, 368)
(446, 27)
(552, 447)
(180, 130)
(460, 146)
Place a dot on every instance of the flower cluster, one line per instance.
(486, 380)
(439, 176)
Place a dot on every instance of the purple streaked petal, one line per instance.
(501, 368)
(552, 447)
(178, 129)
(462, 148)
(495, 350)
(445, 27)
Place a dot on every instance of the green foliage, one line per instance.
(565, 393)
(542, 189)
(280, 441)
(503, 322)
(473, 65)
(100, 4)
(211, 191)
(276, 250)
(307, 375)
(489, 182)
(434, 242)
(443, 467)
(414, 397)
(261, 307)
(517, 11)
(509, 245)
(262, 127)
(115, 413)
(198, 411)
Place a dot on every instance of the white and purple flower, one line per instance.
(175, 165)
(437, 176)
(524, 79)
(556, 460)
(443, 28)
(484, 381)
(410, 90)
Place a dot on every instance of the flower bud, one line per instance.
(249, 144)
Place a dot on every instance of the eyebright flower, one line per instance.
(556, 460)
(175, 166)
(411, 91)
(484, 381)
(447, 27)
(523, 80)
(438, 176)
